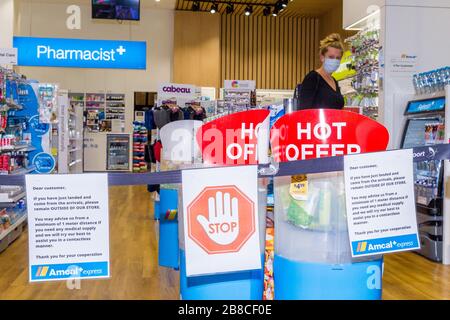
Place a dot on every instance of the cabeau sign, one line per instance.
(174, 90)
(319, 133)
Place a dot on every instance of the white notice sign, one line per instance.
(68, 226)
(8, 56)
(220, 214)
(381, 211)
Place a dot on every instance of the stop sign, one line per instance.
(221, 219)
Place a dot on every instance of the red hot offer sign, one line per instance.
(319, 133)
(221, 232)
(237, 139)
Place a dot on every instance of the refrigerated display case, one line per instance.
(425, 125)
(118, 152)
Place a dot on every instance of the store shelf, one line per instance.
(75, 139)
(13, 201)
(10, 106)
(13, 227)
(24, 148)
(76, 149)
(20, 171)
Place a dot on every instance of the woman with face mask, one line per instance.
(319, 90)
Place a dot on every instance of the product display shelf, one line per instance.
(115, 108)
(118, 152)
(365, 46)
(22, 171)
(238, 99)
(7, 236)
(15, 149)
(140, 140)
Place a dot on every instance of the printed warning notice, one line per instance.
(381, 210)
(68, 226)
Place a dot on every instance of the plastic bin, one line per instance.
(312, 249)
(168, 253)
(245, 285)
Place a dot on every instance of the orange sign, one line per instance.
(221, 219)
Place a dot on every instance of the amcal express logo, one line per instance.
(47, 272)
(64, 271)
(365, 247)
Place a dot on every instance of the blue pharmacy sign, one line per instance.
(428, 105)
(79, 53)
(44, 162)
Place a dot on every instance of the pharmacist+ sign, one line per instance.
(319, 133)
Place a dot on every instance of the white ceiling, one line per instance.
(162, 4)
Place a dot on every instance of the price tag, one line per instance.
(299, 187)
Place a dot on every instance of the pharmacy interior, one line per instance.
(141, 104)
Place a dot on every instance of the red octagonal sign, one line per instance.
(221, 219)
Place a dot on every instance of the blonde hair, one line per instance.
(331, 41)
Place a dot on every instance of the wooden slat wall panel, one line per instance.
(276, 52)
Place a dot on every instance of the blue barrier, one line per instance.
(321, 165)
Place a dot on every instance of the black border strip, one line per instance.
(330, 164)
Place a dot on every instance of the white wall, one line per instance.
(39, 18)
(421, 31)
(355, 10)
(6, 23)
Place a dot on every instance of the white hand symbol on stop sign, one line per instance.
(222, 227)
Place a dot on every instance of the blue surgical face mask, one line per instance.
(331, 65)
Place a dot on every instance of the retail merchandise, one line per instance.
(104, 112)
(239, 95)
(431, 81)
(118, 149)
(12, 214)
(140, 141)
(426, 126)
(15, 141)
(48, 104)
(365, 47)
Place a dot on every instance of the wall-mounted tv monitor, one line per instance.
(116, 9)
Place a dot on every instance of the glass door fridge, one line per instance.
(426, 126)
(118, 152)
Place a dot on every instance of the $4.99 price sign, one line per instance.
(220, 215)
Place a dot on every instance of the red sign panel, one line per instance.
(221, 219)
(319, 133)
(236, 139)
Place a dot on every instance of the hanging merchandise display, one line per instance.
(140, 139)
(48, 104)
(311, 235)
(365, 47)
(21, 140)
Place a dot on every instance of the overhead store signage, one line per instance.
(240, 84)
(428, 105)
(68, 226)
(80, 53)
(381, 210)
(221, 231)
(8, 56)
(176, 90)
(237, 139)
(319, 133)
